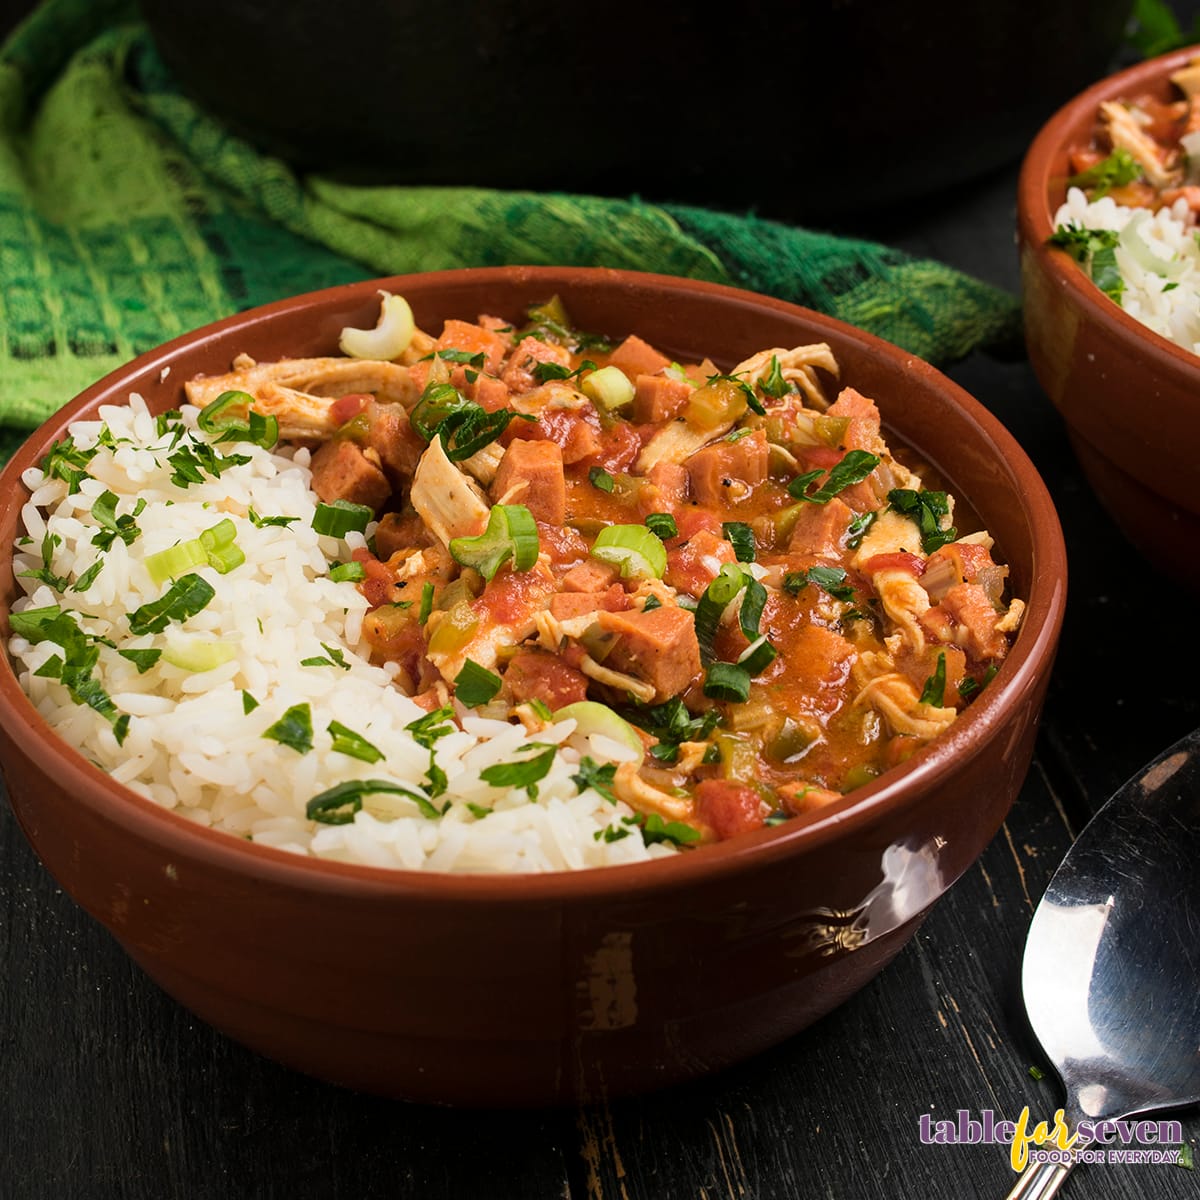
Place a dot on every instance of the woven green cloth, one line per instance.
(128, 216)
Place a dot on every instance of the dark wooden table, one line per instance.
(110, 1090)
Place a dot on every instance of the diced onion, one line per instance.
(390, 337)
(1134, 243)
(609, 387)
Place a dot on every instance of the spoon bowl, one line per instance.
(1113, 956)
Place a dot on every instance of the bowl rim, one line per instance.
(897, 789)
(1035, 218)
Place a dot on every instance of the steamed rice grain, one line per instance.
(191, 746)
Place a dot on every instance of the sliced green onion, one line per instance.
(185, 597)
(475, 685)
(198, 654)
(511, 533)
(634, 549)
(727, 681)
(211, 419)
(741, 537)
(591, 717)
(391, 336)
(338, 804)
(256, 427)
(340, 518)
(293, 729)
(609, 387)
(717, 597)
(347, 741)
(758, 656)
(348, 572)
(662, 525)
(831, 580)
(175, 560)
(438, 401)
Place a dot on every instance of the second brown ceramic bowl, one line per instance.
(535, 989)
(1130, 398)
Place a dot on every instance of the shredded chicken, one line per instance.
(450, 504)
(797, 366)
(1127, 134)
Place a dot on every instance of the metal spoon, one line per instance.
(1112, 963)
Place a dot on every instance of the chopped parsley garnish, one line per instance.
(1100, 247)
(427, 731)
(544, 372)
(597, 776)
(80, 655)
(612, 833)
(347, 572)
(338, 804)
(829, 579)
(671, 722)
(67, 462)
(193, 459)
(736, 435)
(347, 741)
(541, 708)
(44, 573)
(51, 668)
(857, 528)
(651, 603)
(185, 597)
(475, 685)
(462, 357)
(662, 525)
(112, 526)
(249, 704)
(262, 522)
(463, 426)
(294, 729)
(741, 537)
(86, 580)
(524, 774)
(655, 829)
(598, 477)
(934, 691)
(335, 659)
(970, 686)
(142, 659)
(853, 468)
(927, 509)
(773, 382)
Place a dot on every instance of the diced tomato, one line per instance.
(564, 544)
(692, 520)
(346, 408)
(377, 586)
(729, 808)
(576, 432)
(694, 565)
(508, 595)
(619, 448)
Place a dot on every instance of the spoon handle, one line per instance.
(1040, 1181)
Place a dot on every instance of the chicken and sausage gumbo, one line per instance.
(720, 570)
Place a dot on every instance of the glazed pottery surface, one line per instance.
(549, 988)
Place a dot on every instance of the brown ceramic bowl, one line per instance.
(1130, 398)
(536, 989)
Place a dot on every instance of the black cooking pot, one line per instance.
(796, 108)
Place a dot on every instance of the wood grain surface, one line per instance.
(110, 1091)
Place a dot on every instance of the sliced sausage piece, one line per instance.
(974, 620)
(726, 472)
(545, 677)
(658, 646)
(589, 576)
(341, 470)
(531, 473)
(490, 393)
(820, 528)
(397, 443)
(636, 357)
(658, 398)
(665, 489)
(462, 335)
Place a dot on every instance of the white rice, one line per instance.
(1158, 258)
(191, 747)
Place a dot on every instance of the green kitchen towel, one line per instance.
(128, 216)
